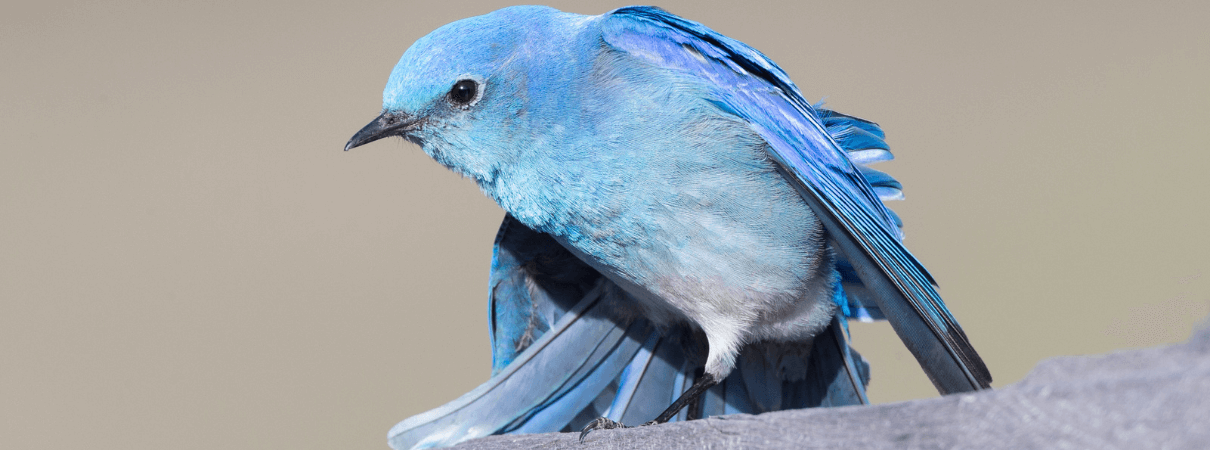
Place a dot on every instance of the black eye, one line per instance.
(463, 92)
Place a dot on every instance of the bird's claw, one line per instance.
(600, 424)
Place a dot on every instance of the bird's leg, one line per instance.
(704, 382)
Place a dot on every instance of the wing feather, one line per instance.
(747, 84)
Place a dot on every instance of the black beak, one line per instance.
(386, 124)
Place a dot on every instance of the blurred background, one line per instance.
(188, 260)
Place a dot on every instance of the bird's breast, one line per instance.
(715, 233)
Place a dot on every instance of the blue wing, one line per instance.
(748, 85)
(567, 349)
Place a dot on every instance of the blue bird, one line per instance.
(685, 235)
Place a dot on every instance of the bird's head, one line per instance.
(466, 91)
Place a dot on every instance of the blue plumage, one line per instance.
(683, 227)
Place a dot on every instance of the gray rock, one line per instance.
(1155, 398)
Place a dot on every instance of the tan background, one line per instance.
(188, 260)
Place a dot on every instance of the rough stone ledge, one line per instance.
(1154, 398)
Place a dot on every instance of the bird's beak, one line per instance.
(385, 125)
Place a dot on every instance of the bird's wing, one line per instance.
(748, 85)
(557, 346)
(863, 142)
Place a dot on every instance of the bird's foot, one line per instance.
(700, 385)
(604, 424)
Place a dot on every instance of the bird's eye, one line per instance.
(463, 92)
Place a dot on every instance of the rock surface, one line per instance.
(1155, 398)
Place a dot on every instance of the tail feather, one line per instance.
(602, 368)
(652, 386)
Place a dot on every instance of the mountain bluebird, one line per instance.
(682, 228)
